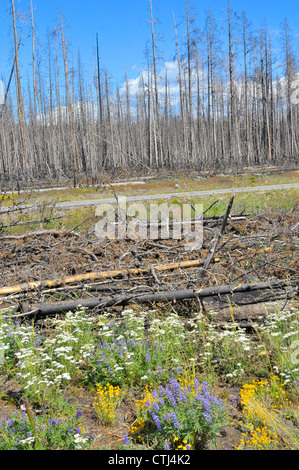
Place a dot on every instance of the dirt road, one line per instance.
(152, 197)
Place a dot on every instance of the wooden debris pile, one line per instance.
(243, 260)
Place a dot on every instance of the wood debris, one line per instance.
(243, 260)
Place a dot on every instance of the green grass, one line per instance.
(249, 203)
(253, 203)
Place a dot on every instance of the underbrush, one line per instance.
(171, 374)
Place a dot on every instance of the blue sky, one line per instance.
(123, 28)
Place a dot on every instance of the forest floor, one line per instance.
(259, 243)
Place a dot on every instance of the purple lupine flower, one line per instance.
(156, 406)
(52, 422)
(155, 394)
(234, 401)
(23, 425)
(207, 417)
(175, 386)
(157, 421)
(206, 405)
(167, 446)
(212, 399)
(174, 420)
(196, 384)
(205, 390)
(79, 414)
(183, 397)
(199, 397)
(37, 341)
(162, 391)
(126, 440)
(219, 403)
(170, 396)
(147, 357)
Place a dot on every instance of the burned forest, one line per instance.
(149, 237)
(228, 100)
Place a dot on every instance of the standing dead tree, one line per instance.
(224, 108)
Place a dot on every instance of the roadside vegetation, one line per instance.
(49, 217)
(176, 182)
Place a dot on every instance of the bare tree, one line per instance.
(21, 109)
(224, 109)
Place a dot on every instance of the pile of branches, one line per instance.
(244, 260)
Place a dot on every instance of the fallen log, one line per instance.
(34, 285)
(48, 309)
